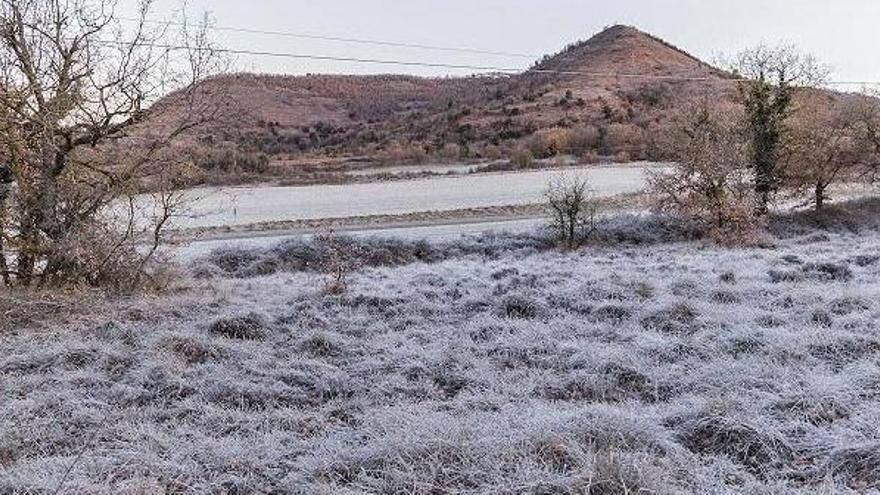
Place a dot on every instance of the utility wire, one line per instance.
(288, 34)
(481, 68)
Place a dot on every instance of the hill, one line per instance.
(585, 100)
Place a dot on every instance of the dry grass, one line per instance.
(616, 369)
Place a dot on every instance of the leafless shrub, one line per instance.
(573, 210)
(76, 87)
(785, 276)
(342, 257)
(710, 186)
(816, 410)
(869, 133)
(321, 345)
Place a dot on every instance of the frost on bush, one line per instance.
(679, 319)
(864, 260)
(612, 313)
(520, 307)
(191, 349)
(725, 297)
(829, 272)
(849, 305)
(815, 409)
(322, 345)
(250, 326)
(858, 466)
(844, 349)
(785, 276)
(755, 447)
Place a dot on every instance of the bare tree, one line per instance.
(824, 146)
(573, 208)
(773, 78)
(868, 116)
(710, 186)
(75, 85)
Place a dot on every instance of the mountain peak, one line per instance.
(622, 49)
(621, 30)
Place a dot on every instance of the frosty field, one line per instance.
(646, 363)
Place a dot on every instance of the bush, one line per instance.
(522, 158)
(231, 161)
(190, 349)
(679, 319)
(857, 465)
(710, 186)
(520, 307)
(744, 443)
(573, 208)
(828, 272)
(250, 326)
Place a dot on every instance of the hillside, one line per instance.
(583, 101)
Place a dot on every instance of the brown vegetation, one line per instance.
(568, 104)
(68, 165)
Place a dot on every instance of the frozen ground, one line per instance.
(188, 251)
(238, 206)
(494, 365)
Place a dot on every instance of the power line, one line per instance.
(480, 68)
(338, 39)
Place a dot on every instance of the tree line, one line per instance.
(782, 139)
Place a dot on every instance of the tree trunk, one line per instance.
(25, 269)
(819, 196)
(4, 268)
(28, 249)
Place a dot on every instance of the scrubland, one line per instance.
(647, 362)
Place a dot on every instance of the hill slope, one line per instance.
(587, 93)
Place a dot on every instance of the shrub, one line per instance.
(522, 158)
(725, 297)
(744, 443)
(250, 326)
(613, 314)
(679, 319)
(828, 272)
(573, 210)
(710, 186)
(857, 465)
(520, 307)
(848, 305)
(342, 257)
(780, 276)
(190, 349)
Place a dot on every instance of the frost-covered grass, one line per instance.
(669, 367)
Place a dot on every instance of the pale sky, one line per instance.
(845, 34)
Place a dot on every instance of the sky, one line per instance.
(845, 34)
